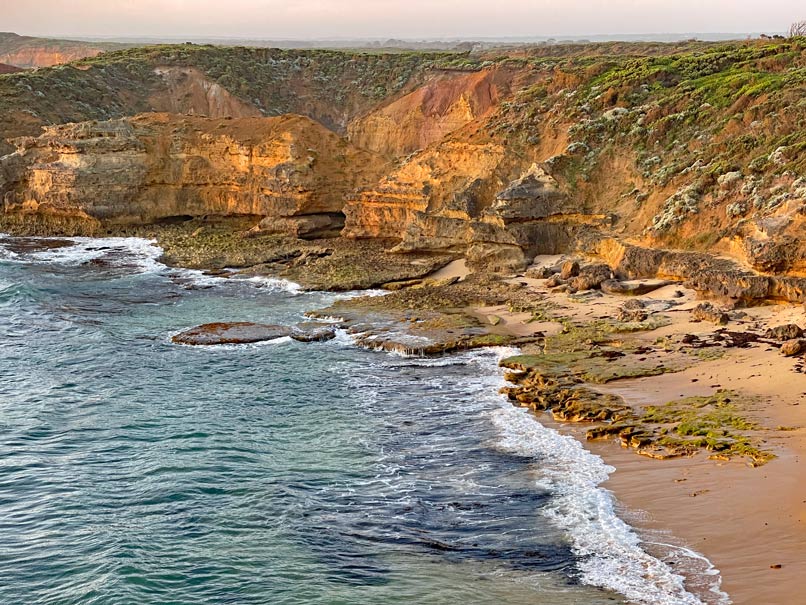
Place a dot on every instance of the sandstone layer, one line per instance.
(290, 172)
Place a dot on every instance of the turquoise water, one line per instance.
(133, 470)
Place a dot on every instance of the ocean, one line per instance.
(137, 471)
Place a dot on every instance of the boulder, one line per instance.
(784, 332)
(540, 272)
(633, 287)
(631, 315)
(591, 277)
(569, 269)
(708, 312)
(793, 347)
(241, 332)
(634, 304)
(554, 281)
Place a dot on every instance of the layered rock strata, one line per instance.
(289, 171)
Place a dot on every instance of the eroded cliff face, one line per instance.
(27, 58)
(29, 52)
(427, 115)
(463, 198)
(188, 91)
(290, 171)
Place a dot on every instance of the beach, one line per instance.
(749, 522)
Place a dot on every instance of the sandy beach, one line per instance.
(749, 522)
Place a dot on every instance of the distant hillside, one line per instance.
(329, 86)
(27, 52)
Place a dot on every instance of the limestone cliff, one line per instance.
(289, 170)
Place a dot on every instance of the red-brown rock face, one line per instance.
(427, 115)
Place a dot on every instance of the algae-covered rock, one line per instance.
(230, 333)
(784, 332)
(312, 331)
(632, 287)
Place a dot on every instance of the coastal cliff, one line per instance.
(496, 157)
(289, 172)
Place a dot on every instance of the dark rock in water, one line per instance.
(231, 333)
(25, 245)
(793, 347)
(632, 288)
(708, 312)
(313, 332)
(569, 269)
(784, 332)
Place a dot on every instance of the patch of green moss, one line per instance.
(714, 423)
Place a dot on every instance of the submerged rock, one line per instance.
(242, 332)
(26, 245)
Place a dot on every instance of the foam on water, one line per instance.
(611, 552)
(136, 252)
(139, 255)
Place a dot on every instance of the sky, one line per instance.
(380, 19)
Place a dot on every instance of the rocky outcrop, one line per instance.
(441, 188)
(712, 276)
(290, 171)
(230, 333)
(450, 198)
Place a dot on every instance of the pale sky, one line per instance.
(286, 19)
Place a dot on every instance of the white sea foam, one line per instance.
(610, 551)
(199, 279)
(142, 256)
(137, 252)
(230, 346)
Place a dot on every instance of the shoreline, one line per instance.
(745, 521)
